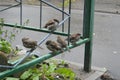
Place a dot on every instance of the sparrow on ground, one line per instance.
(52, 24)
(62, 43)
(53, 46)
(3, 61)
(74, 38)
(29, 43)
(106, 77)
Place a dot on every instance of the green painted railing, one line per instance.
(88, 32)
(34, 29)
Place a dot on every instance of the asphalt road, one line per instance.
(106, 46)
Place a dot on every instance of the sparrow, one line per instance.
(106, 77)
(74, 38)
(52, 24)
(4, 61)
(29, 43)
(62, 43)
(3, 58)
(53, 46)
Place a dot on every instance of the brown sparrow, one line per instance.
(53, 46)
(52, 24)
(74, 38)
(3, 58)
(29, 43)
(3, 61)
(106, 77)
(62, 43)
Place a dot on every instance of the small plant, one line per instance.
(8, 36)
(48, 71)
(5, 46)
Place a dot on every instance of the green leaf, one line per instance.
(11, 78)
(51, 68)
(35, 77)
(66, 72)
(26, 74)
(44, 68)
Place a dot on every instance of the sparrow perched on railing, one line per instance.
(52, 24)
(74, 38)
(62, 43)
(53, 46)
(29, 43)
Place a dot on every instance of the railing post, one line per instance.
(88, 32)
(20, 12)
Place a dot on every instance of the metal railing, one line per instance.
(87, 37)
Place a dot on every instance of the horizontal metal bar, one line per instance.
(35, 29)
(81, 41)
(37, 60)
(54, 7)
(5, 66)
(10, 7)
